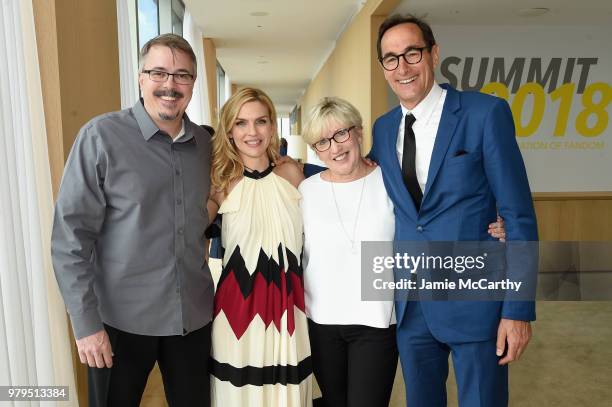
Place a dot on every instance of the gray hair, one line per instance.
(172, 41)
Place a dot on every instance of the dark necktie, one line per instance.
(409, 162)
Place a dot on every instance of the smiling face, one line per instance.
(410, 82)
(166, 101)
(252, 131)
(342, 159)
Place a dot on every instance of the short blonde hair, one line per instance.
(226, 163)
(329, 109)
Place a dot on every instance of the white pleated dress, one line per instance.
(260, 348)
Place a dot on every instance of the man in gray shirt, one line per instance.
(128, 239)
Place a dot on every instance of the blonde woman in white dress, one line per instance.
(260, 349)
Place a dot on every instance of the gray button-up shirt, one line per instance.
(128, 233)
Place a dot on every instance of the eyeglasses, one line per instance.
(161, 76)
(411, 56)
(340, 136)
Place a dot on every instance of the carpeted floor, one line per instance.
(568, 362)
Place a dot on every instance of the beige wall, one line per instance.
(46, 40)
(88, 62)
(210, 60)
(79, 64)
(574, 216)
(351, 71)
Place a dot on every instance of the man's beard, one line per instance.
(170, 93)
(168, 117)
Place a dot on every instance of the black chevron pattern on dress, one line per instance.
(266, 266)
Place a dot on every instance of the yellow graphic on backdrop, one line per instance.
(595, 101)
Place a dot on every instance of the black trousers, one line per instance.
(354, 364)
(183, 362)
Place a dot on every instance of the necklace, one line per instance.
(351, 237)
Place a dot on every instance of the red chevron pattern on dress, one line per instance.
(263, 301)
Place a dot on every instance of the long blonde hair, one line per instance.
(226, 163)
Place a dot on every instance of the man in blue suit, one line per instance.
(450, 162)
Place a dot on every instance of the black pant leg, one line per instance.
(372, 363)
(184, 364)
(124, 383)
(329, 362)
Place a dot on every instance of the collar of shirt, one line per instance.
(148, 128)
(424, 110)
(181, 132)
(427, 114)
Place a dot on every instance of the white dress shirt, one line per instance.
(427, 114)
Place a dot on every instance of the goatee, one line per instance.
(168, 117)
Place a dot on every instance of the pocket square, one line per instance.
(459, 153)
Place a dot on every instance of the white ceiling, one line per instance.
(285, 52)
(506, 12)
(281, 52)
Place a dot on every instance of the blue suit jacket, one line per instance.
(476, 170)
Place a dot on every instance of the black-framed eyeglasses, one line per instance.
(160, 76)
(340, 136)
(411, 56)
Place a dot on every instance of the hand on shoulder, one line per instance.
(290, 170)
(215, 198)
(369, 162)
(216, 195)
